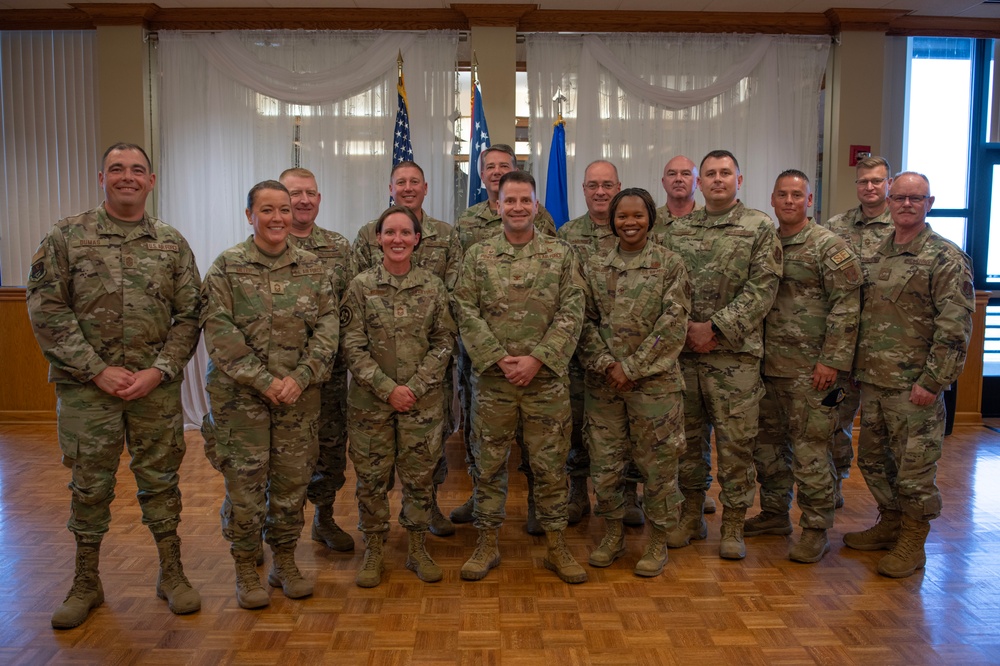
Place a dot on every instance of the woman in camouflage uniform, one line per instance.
(397, 336)
(638, 300)
(270, 317)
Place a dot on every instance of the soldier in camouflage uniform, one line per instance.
(398, 336)
(269, 313)
(113, 300)
(335, 252)
(733, 257)
(590, 234)
(638, 300)
(476, 224)
(916, 323)
(680, 178)
(520, 306)
(809, 335)
(863, 228)
(439, 253)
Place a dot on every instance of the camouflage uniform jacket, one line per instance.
(266, 318)
(396, 331)
(334, 251)
(588, 238)
(477, 223)
(637, 313)
(98, 298)
(863, 235)
(815, 315)
(526, 302)
(916, 320)
(734, 265)
(664, 221)
(439, 252)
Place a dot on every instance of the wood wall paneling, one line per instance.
(25, 394)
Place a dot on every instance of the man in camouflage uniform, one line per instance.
(733, 257)
(863, 228)
(475, 224)
(113, 300)
(680, 180)
(439, 253)
(399, 337)
(270, 316)
(520, 305)
(335, 252)
(809, 335)
(590, 235)
(916, 323)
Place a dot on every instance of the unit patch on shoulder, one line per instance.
(841, 256)
(37, 271)
(967, 290)
(346, 315)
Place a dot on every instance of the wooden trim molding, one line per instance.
(461, 16)
(13, 294)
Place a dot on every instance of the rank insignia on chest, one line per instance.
(129, 261)
(885, 274)
(277, 287)
(400, 310)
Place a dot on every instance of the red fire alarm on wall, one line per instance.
(859, 153)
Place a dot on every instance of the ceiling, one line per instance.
(951, 8)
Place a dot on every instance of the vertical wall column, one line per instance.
(496, 51)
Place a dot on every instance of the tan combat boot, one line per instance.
(328, 532)
(766, 522)
(285, 574)
(439, 525)
(655, 557)
(249, 592)
(612, 545)
(691, 525)
(484, 557)
(559, 559)
(880, 536)
(370, 574)
(908, 554)
(813, 545)
(171, 583)
(578, 505)
(86, 594)
(419, 561)
(732, 547)
(633, 512)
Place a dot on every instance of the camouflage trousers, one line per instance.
(843, 444)
(898, 450)
(93, 428)
(723, 389)
(641, 426)
(467, 393)
(793, 444)
(542, 411)
(266, 453)
(328, 477)
(381, 439)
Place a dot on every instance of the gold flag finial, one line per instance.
(475, 69)
(399, 65)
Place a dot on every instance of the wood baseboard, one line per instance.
(28, 416)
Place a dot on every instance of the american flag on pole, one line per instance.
(402, 149)
(478, 142)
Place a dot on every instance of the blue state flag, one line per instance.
(478, 142)
(402, 149)
(556, 200)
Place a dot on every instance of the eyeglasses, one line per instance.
(914, 198)
(865, 182)
(593, 186)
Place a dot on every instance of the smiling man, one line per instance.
(916, 323)
(733, 258)
(335, 252)
(680, 182)
(113, 297)
(520, 304)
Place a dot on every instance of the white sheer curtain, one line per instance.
(48, 113)
(228, 108)
(639, 99)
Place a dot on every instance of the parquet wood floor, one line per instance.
(702, 610)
